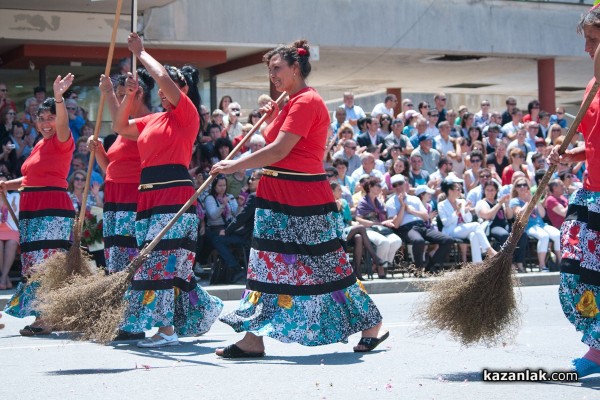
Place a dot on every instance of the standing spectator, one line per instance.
(387, 107)
(413, 227)
(5, 101)
(556, 203)
(340, 118)
(440, 105)
(482, 117)
(224, 103)
(533, 112)
(353, 112)
(76, 121)
(511, 103)
(510, 128)
(233, 126)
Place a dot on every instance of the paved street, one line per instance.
(408, 365)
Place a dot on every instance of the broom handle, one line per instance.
(133, 265)
(10, 210)
(111, 49)
(520, 224)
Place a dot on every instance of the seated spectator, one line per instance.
(9, 236)
(492, 138)
(75, 190)
(568, 181)
(220, 208)
(359, 192)
(238, 233)
(23, 143)
(498, 160)
(371, 137)
(343, 178)
(76, 121)
(368, 167)
(556, 203)
(400, 166)
(421, 131)
(558, 118)
(516, 157)
(417, 176)
(471, 176)
(398, 138)
(536, 227)
(233, 127)
(236, 182)
(245, 129)
(510, 128)
(444, 143)
(344, 133)
(355, 234)
(492, 210)
(429, 156)
(484, 176)
(379, 164)
(394, 152)
(554, 133)
(333, 177)
(457, 220)
(222, 148)
(340, 118)
(80, 162)
(474, 134)
(462, 150)
(412, 223)
(520, 142)
(443, 170)
(348, 153)
(9, 156)
(371, 213)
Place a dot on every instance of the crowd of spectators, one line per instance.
(428, 177)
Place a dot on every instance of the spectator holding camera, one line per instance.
(233, 126)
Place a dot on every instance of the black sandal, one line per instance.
(371, 342)
(29, 330)
(233, 351)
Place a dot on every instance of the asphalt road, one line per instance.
(409, 365)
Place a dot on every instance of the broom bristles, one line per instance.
(477, 304)
(93, 305)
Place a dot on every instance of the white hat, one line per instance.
(398, 178)
(422, 189)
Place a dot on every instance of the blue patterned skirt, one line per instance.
(164, 291)
(579, 289)
(301, 287)
(45, 222)
(120, 204)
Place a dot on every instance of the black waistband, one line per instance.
(164, 173)
(290, 175)
(301, 290)
(570, 266)
(41, 189)
(577, 212)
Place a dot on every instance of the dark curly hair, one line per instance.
(290, 54)
(145, 81)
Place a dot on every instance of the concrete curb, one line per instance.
(401, 285)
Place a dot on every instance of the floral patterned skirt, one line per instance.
(579, 289)
(120, 205)
(45, 222)
(301, 287)
(164, 291)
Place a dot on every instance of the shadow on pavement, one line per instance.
(313, 359)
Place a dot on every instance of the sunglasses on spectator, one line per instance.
(410, 105)
(522, 185)
(11, 113)
(434, 115)
(559, 113)
(79, 179)
(455, 188)
(72, 108)
(235, 109)
(485, 105)
(485, 176)
(443, 99)
(512, 104)
(536, 107)
(517, 156)
(203, 114)
(347, 131)
(475, 160)
(330, 175)
(351, 147)
(3, 90)
(397, 184)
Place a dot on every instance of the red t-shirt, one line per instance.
(305, 115)
(124, 164)
(49, 163)
(168, 137)
(552, 202)
(590, 127)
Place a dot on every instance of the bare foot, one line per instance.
(1, 325)
(250, 344)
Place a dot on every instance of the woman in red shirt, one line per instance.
(164, 292)
(301, 287)
(46, 212)
(122, 166)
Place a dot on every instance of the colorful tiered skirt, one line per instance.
(164, 291)
(45, 222)
(579, 289)
(120, 205)
(301, 287)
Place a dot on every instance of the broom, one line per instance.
(477, 304)
(57, 269)
(95, 305)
